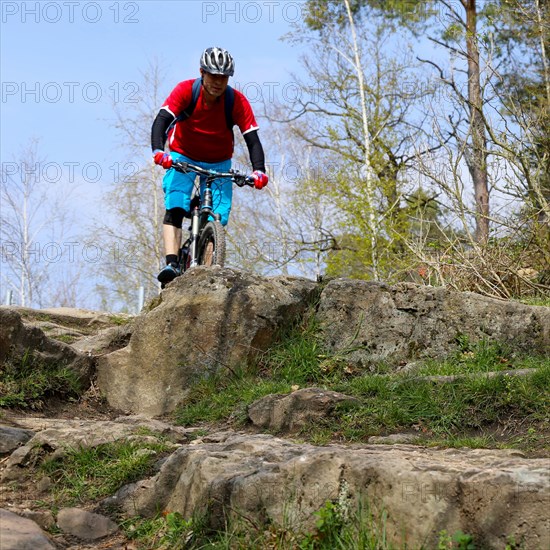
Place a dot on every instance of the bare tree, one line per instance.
(360, 104)
(133, 234)
(477, 162)
(33, 220)
(280, 230)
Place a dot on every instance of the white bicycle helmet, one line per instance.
(217, 61)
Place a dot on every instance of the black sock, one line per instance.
(171, 259)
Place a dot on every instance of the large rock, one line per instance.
(17, 339)
(11, 438)
(294, 411)
(17, 533)
(491, 495)
(370, 322)
(209, 320)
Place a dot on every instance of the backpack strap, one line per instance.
(188, 111)
(229, 102)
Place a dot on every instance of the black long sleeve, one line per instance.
(158, 130)
(255, 150)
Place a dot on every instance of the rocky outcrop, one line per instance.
(209, 320)
(367, 322)
(217, 320)
(214, 320)
(21, 342)
(90, 332)
(489, 494)
(492, 495)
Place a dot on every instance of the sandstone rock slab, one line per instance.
(369, 322)
(491, 495)
(209, 320)
(294, 411)
(18, 339)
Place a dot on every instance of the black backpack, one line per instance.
(196, 90)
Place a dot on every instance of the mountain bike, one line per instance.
(205, 244)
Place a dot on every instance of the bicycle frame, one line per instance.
(202, 209)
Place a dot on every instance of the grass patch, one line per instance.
(480, 357)
(120, 320)
(396, 403)
(29, 382)
(220, 397)
(292, 362)
(535, 300)
(65, 338)
(168, 530)
(464, 412)
(336, 526)
(87, 474)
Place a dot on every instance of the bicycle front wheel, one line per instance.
(212, 245)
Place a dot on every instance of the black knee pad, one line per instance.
(174, 217)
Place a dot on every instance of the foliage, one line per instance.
(458, 540)
(365, 120)
(496, 127)
(336, 526)
(33, 222)
(28, 383)
(89, 473)
(132, 244)
(510, 266)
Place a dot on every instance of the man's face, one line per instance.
(214, 84)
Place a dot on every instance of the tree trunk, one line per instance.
(477, 162)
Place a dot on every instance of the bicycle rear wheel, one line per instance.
(212, 245)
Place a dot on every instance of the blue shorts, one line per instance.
(178, 187)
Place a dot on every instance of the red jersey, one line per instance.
(204, 136)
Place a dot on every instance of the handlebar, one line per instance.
(237, 177)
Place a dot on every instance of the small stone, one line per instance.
(85, 525)
(44, 484)
(11, 438)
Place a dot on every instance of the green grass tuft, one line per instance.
(87, 474)
(30, 382)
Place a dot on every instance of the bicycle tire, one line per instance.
(183, 256)
(214, 234)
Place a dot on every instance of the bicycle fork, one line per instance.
(197, 214)
(194, 245)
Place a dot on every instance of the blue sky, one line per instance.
(63, 62)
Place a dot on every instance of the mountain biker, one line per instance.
(203, 139)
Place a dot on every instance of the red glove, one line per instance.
(162, 159)
(260, 179)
